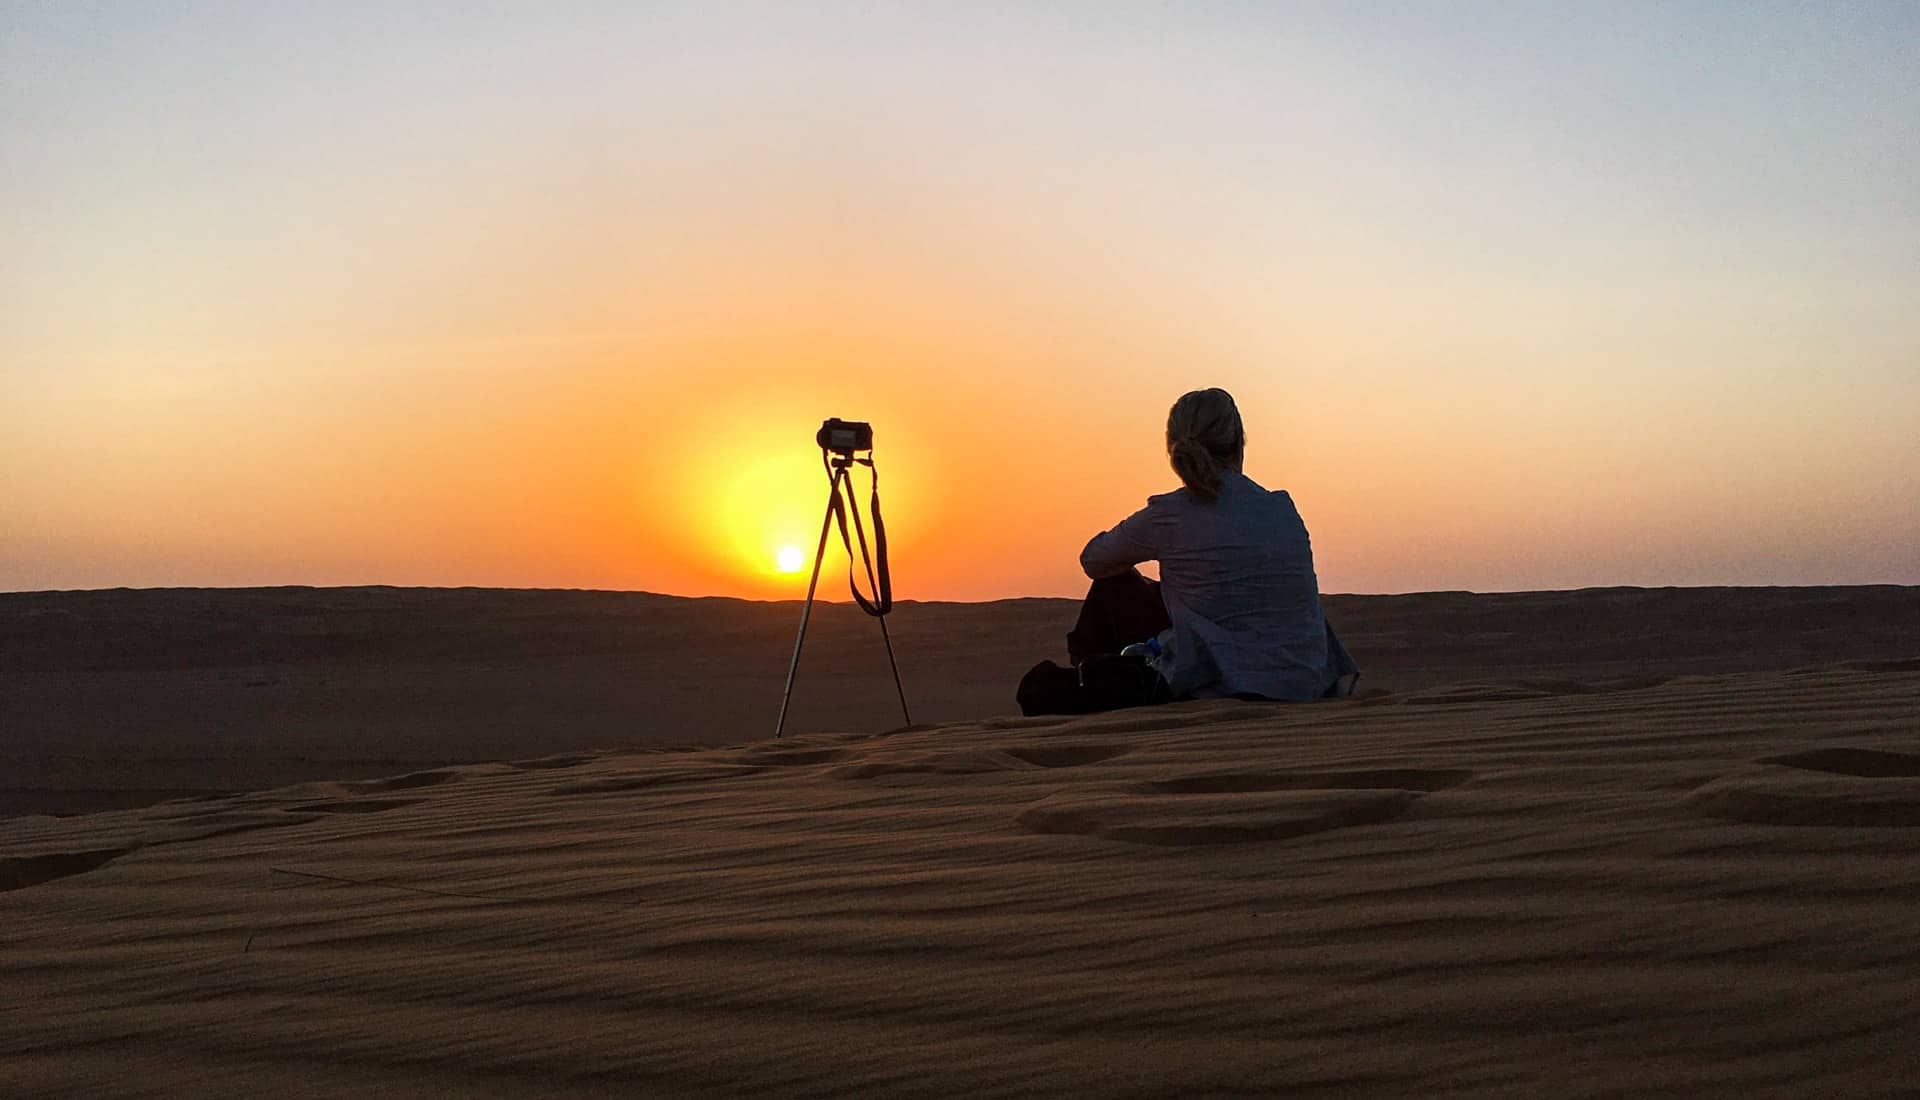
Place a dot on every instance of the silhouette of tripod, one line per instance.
(839, 466)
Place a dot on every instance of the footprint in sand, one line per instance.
(656, 777)
(1838, 786)
(846, 763)
(551, 763)
(984, 759)
(1236, 808)
(351, 806)
(1065, 756)
(20, 872)
(410, 781)
(790, 758)
(1519, 690)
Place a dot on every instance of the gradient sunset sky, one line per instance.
(1512, 296)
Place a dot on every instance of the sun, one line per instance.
(790, 559)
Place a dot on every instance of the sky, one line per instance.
(1512, 296)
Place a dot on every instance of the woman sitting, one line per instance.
(1237, 610)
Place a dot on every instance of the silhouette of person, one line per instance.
(1236, 612)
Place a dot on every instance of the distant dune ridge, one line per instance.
(121, 698)
(1607, 842)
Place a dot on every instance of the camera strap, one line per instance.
(878, 577)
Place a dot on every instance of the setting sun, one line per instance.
(790, 559)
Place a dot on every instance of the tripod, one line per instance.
(839, 466)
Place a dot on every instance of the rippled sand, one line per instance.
(1704, 884)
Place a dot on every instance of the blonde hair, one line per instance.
(1204, 435)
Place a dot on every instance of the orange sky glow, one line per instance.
(562, 305)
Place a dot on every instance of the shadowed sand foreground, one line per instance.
(1702, 885)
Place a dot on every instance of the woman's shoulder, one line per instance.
(1256, 489)
(1176, 498)
(1259, 504)
(1235, 487)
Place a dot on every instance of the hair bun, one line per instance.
(1203, 436)
(1197, 467)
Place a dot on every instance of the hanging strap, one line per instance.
(878, 576)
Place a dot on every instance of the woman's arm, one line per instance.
(1111, 553)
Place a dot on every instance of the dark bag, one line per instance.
(1099, 684)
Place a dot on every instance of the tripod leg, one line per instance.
(819, 552)
(887, 638)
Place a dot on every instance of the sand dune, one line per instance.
(1624, 882)
(124, 698)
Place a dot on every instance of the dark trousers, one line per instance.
(1117, 612)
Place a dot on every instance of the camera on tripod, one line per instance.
(843, 437)
(839, 440)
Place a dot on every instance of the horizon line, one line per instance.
(4, 592)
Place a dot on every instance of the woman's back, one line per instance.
(1237, 577)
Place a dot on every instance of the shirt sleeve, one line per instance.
(1130, 542)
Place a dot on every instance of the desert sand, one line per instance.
(1574, 844)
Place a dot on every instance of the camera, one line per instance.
(845, 436)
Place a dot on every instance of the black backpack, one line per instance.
(1097, 684)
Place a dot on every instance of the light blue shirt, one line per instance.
(1237, 577)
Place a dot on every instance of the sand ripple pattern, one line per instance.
(1698, 886)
